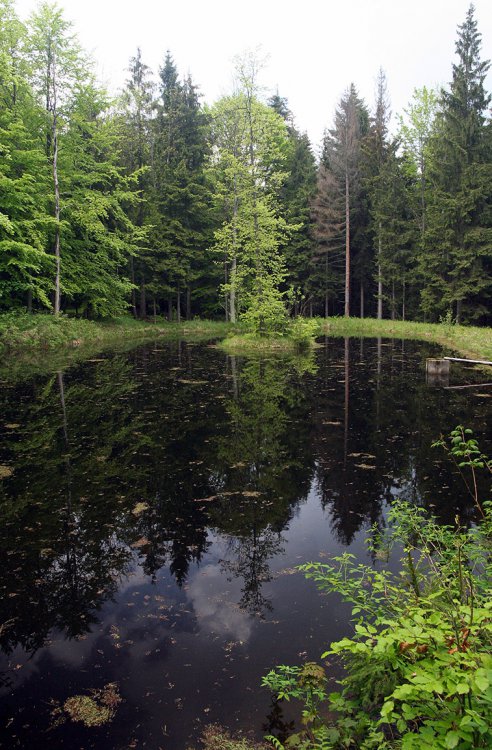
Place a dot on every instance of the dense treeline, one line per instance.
(157, 204)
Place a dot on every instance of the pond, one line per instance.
(154, 505)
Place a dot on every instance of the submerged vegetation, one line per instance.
(215, 737)
(419, 663)
(92, 710)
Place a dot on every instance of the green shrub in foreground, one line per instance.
(419, 663)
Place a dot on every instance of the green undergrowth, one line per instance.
(22, 332)
(249, 343)
(298, 335)
(468, 341)
(418, 664)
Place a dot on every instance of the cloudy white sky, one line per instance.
(315, 47)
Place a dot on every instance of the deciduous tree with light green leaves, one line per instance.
(24, 178)
(57, 65)
(251, 147)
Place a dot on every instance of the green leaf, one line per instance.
(451, 740)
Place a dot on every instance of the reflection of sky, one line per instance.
(214, 601)
(182, 656)
(141, 613)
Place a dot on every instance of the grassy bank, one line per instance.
(467, 341)
(22, 333)
(32, 335)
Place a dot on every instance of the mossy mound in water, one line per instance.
(96, 709)
(85, 709)
(215, 737)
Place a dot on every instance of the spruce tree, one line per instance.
(296, 196)
(456, 264)
(340, 175)
(137, 148)
(182, 230)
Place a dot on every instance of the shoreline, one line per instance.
(33, 341)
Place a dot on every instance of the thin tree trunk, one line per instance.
(326, 285)
(29, 301)
(380, 279)
(143, 299)
(403, 304)
(361, 299)
(155, 309)
(170, 308)
(226, 298)
(232, 296)
(57, 300)
(188, 303)
(178, 306)
(347, 245)
(458, 311)
(134, 295)
(393, 300)
(258, 261)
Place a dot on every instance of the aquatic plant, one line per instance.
(92, 710)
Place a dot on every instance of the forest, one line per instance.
(154, 203)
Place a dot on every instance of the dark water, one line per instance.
(153, 505)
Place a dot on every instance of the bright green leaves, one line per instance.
(251, 146)
(418, 667)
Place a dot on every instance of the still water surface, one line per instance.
(153, 505)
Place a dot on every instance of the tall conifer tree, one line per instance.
(457, 271)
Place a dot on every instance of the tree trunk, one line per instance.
(188, 303)
(232, 296)
(29, 301)
(403, 303)
(458, 311)
(134, 295)
(347, 245)
(155, 309)
(380, 280)
(178, 306)
(143, 299)
(226, 298)
(57, 300)
(393, 301)
(170, 308)
(361, 299)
